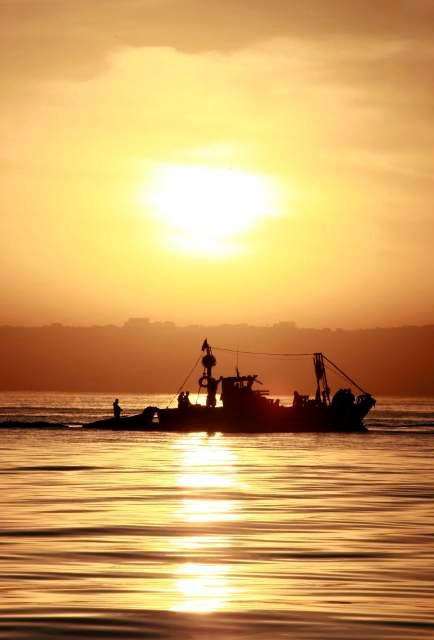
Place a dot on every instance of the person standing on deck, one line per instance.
(181, 400)
(117, 409)
(211, 393)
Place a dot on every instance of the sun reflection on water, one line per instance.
(209, 510)
(204, 588)
(206, 468)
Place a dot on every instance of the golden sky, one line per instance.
(220, 161)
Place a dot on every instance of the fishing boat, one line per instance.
(244, 408)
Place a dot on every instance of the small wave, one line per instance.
(93, 623)
(74, 532)
(403, 413)
(55, 467)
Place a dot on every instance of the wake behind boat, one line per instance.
(246, 409)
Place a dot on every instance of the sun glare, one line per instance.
(205, 209)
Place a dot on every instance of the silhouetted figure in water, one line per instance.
(117, 409)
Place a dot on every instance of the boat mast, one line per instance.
(322, 388)
(208, 362)
(208, 359)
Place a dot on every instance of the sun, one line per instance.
(206, 209)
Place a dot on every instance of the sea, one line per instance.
(203, 536)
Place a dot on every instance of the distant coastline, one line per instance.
(153, 357)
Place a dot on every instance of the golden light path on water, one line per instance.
(205, 464)
(175, 532)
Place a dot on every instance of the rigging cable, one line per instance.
(294, 355)
(345, 375)
(188, 376)
(337, 374)
(271, 355)
(261, 353)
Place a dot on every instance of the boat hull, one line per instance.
(316, 419)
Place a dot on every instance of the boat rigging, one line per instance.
(245, 408)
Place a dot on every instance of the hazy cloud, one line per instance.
(75, 36)
(334, 97)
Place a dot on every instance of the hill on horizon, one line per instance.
(154, 357)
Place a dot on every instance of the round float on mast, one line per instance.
(207, 381)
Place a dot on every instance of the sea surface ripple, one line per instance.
(155, 535)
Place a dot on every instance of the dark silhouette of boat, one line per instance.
(246, 409)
